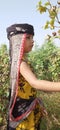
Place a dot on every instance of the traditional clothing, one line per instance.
(25, 109)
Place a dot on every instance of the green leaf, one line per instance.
(1, 119)
(46, 25)
(47, 3)
(40, 2)
(42, 9)
(52, 14)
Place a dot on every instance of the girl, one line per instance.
(25, 109)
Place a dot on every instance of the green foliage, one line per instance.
(51, 9)
(53, 15)
(46, 62)
(4, 82)
(42, 9)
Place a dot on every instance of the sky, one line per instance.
(22, 11)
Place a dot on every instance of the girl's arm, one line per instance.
(43, 85)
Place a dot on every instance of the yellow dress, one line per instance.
(26, 91)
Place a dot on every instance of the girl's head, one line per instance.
(20, 40)
(17, 32)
